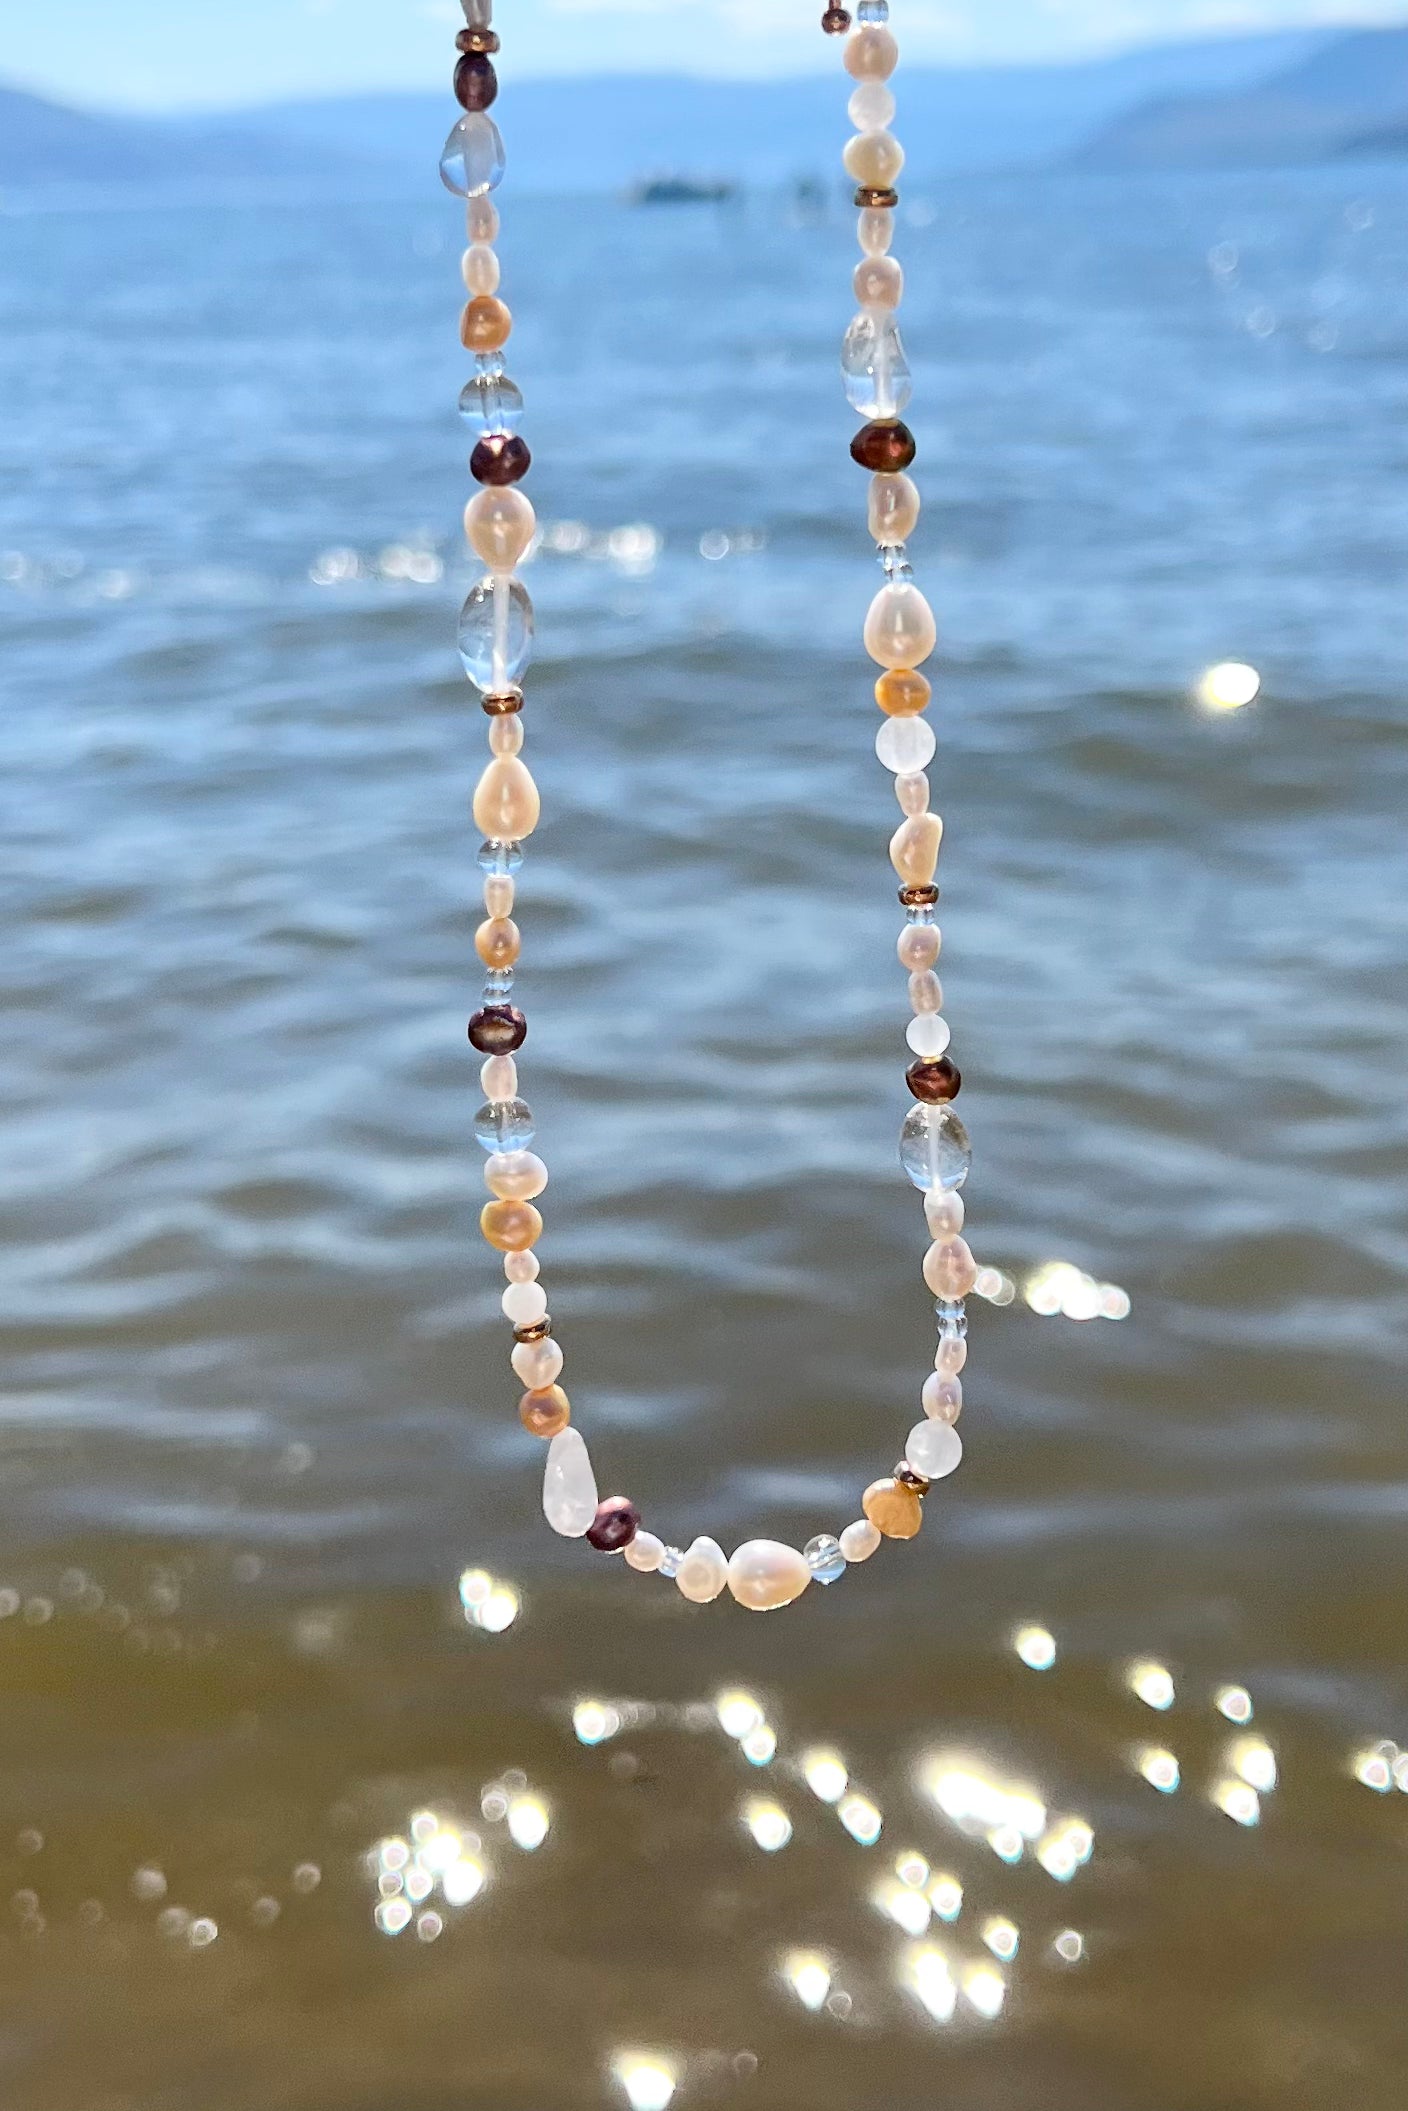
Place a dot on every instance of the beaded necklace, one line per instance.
(495, 641)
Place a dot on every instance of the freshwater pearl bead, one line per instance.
(545, 1414)
(481, 220)
(893, 514)
(505, 734)
(871, 53)
(949, 1269)
(569, 1486)
(506, 802)
(900, 630)
(914, 849)
(497, 942)
(703, 1573)
(512, 1227)
(764, 1575)
(912, 791)
(476, 83)
(500, 459)
(498, 1079)
(951, 1355)
(479, 268)
(485, 324)
(522, 1267)
(944, 1213)
(943, 1397)
(925, 991)
(860, 1540)
(645, 1553)
(515, 1176)
(902, 693)
(498, 1029)
(905, 745)
(615, 1525)
(894, 1510)
(873, 159)
(871, 106)
(879, 283)
(918, 947)
(498, 894)
(525, 1304)
(934, 1449)
(539, 1365)
(935, 1081)
(499, 523)
(884, 444)
(875, 230)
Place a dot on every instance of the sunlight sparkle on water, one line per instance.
(1058, 1287)
(1374, 1768)
(946, 1897)
(826, 1775)
(739, 1714)
(528, 1822)
(1159, 1768)
(985, 1990)
(1152, 1684)
(1253, 1761)
(490, 1606)
(1229, 686)
(861, 1819)
(908, 1909)
(809, 1976)
(594, 1722)
(1235, 1703)
(927, 1973)
(648, 2082)
(769, 1824)
(759, 1746)
(1238, 1801)
(1035, 1647)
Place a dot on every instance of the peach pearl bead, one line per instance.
(893, 1509)
(512, 1227)
(943, 1398)
(515, 1176)
(479, 268)
(498, 1079)
(949, 1269)
(860, 1540)
(951, 1355)
(875, 229)
(901, 693)
(914, 849)
(926, 992)
(481, 220)
(918, 947)
(506, 803)
(506, 733)
(873, 159)
(499, 523)
(871, 53)
(538, 1363)
(893, 510)
(545, 1413)
(900, 630)
(879, 283)
(498, 894)
(497, 942)
(944, 1213)
(913, 793)
(485, 324)
(522, 1267)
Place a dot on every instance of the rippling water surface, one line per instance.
(258, 1417)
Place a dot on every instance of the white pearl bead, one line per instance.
(525, 1303)
(892, 507)
(871, 53)
(912, 791)
(934, 1449)
(900, 630)
(498, 901)
(926, 992)
(871, 107)
(906, 745)
(859, 1541)
(506, 734)
(481, 220)
(703, 1573)
(522, 1267)
(943, 1398)
(479, 268)
(498, 1079)
(538, 1363)
(569, 1486)
(928, 1035)
(945, 1213)
(764, 1575)
(645, 1552)
(875, 229)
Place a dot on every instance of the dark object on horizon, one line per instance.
(682, 190)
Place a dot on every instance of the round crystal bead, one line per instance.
(824, 1558)
(671, 1562)
(934, 1148)
(505, 1125)
(490, 402)
(953, 1318)
(500, 859)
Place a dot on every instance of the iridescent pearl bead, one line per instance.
(498, 1080)
(905, 745)
(498, 942)
(515, 1176)
(951, 1355)
(893, 505)
(498, 899)
(479, 268)
(934, 1449)
(914, 847)
(506, 734)
(645, 1553)
(522, 1267)
(615, 1525)
(879, 283)
(545, 1414)
(944, 1213)
(500, 523)
(860, 1540)
(764, 1575)
(703, 1573)
(900, 630)
(926, 992)
(902, 693)
(873, 159)
(871, 106)
(949, 1268)
(506, 801)
(871, 53)
(875, 229)
(486, 323)
(918, 947)
(928, 1035)
(481, 219)
(825, 1558)
(512, 1227)
(912, 791)
(894, 1510)
(525, 1304)
(569, 1486)
(943, 1398)
(538, 1364)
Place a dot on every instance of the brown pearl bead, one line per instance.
(498, 1029)
(893, 1509)
(476, 83)
(870, 199)
(504, 706)
(485, 324)
(883, 446)
(901, 692)
(545, 1414)
(500, 458)
(934, 1082)
(919, 897)
(835, 21)
(479, 40)
(615, 1525)
(498, 942)
(511, 1227)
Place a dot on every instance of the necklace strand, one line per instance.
(495, 641)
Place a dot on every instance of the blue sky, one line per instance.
(174, 54)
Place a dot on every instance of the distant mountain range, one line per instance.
(1296, 96)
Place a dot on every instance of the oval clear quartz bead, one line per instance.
(496, 634)
(873, 365)
(472, 164)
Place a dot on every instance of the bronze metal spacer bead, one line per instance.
(539, 1331)
(503, 706)
(485, 40)
(911, 897)
(905, 1474)
(885, 200)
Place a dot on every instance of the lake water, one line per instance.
(258, 1414)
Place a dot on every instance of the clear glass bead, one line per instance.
(496, 634)
(672, 1561)
(923, 915)
(505, 1125)
(498, 984)
(491, 403)
(824, 1558)
(473, 160)
(500, 859)
(934, 1148)
(895, 564)
(873, 11)
(953, 1318)
(873, 365)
